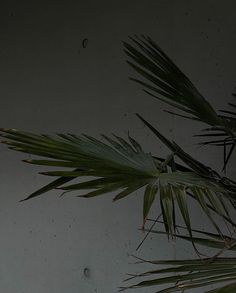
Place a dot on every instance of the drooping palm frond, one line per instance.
(184, 275)
(207, 201)
(165, 81)
(123, 167)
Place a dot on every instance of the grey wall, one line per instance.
(50, 83)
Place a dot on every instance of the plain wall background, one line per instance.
(50, 83)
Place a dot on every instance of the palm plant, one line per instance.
(121, 166)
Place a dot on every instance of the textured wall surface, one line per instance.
(50, 83)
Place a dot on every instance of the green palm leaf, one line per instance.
(88, 155)
(166, 81)
(122, 167)
(149, 197)
(188, 274)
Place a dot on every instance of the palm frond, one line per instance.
(121, 166)
(119, 163)
(209, 199)
(167, 83)
(188, 274)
